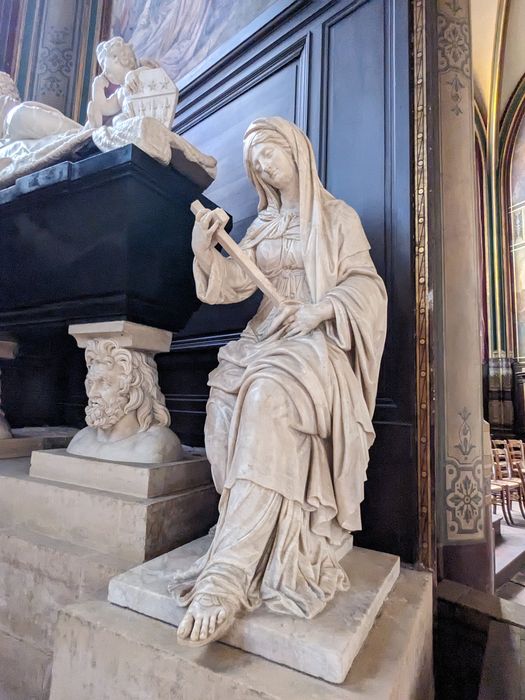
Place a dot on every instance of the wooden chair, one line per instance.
(513, 487)
(499, 444)
(497, 498)
(516, 450)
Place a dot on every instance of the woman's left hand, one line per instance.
(307, 318)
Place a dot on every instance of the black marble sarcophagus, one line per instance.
(107, 237)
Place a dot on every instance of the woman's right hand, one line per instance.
(203, 231)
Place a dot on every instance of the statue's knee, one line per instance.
(265, 392)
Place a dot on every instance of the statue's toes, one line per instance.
(221, 616)
(185, 626)
(196, 631)
(204, 628)
(212, 624)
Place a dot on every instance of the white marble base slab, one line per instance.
(132, 479)
(126, 333)
(324, 647)
(105, 652)
(25, 440)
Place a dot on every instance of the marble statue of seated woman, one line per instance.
(289, 417)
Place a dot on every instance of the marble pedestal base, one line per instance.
(323, 647)
(133, 479)
(61, 543)
(109, 653)
(25, 440)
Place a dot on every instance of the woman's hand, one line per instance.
(307, 318)
(203, 230)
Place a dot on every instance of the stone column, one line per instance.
(463, 527)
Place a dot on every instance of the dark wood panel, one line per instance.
(389, 512)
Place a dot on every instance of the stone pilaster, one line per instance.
(57, 52)
(460, 492)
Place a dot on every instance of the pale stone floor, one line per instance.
(510, 560)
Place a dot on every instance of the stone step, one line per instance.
(39, 575)
(141, 480)
(133, 528)
(109, 653)
(503, 673)
(25, 440)
(25, 671)
(325, 647)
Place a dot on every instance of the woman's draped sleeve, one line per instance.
(359, 301)
(226, 283)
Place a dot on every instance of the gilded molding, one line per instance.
(499, 247)
(423, 387)
(510, 122)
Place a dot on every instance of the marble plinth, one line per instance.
(324, 647)
(132, 528)
(61, 544)
(141, 480)
(109, 653)
(25, 440)
(135, 336)
(25, 670)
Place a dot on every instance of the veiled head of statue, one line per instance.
(120, 381)
(268, 143)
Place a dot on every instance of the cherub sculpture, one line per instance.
(121, 68)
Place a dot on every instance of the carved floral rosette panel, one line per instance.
(454, 53)
(464, 491)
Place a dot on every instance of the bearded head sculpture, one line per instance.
(121, 381)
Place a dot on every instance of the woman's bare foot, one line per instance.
(207, 619)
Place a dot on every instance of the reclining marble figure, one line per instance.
(140, 112)
(127, 419)
(289, 417)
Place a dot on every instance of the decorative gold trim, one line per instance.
(485, 232)
(33, 49)
(504, 211)
(21, 22)
(81, 65)
(501, 271)
(423, 388)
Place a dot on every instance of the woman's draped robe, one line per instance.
(289, 420)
